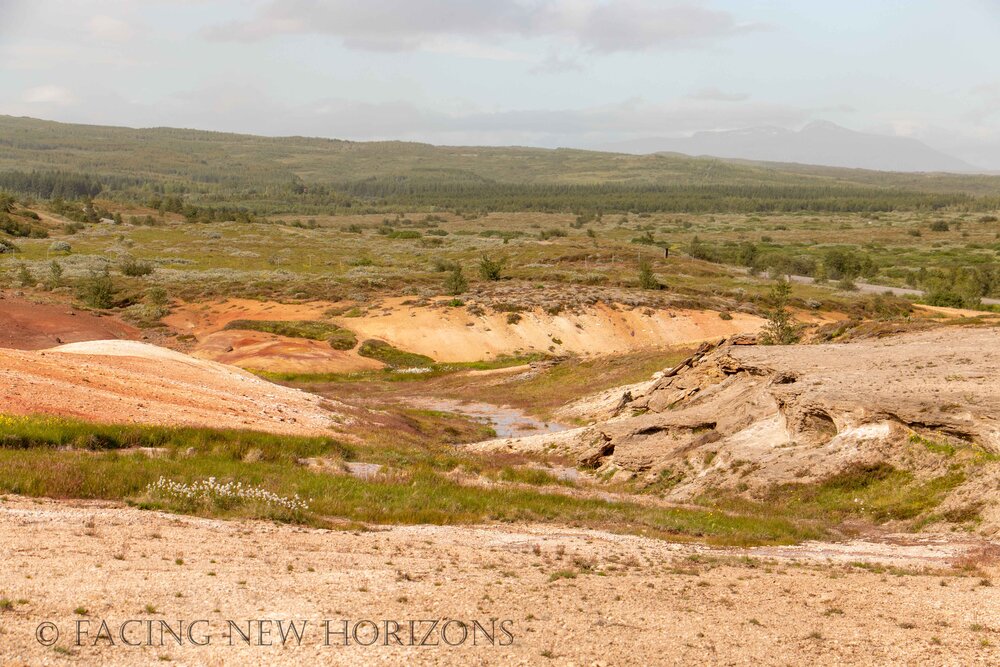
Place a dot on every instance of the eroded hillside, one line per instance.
(917, 412)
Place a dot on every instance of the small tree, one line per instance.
(55, 275)
(456, 283)
(780, 328)
(98, 291)
(647, 280)
(491, 269)
(24, 277)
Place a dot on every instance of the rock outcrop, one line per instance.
(745, 418)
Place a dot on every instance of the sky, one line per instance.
(575, 73)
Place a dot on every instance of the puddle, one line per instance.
(363, 470)
(507, 422)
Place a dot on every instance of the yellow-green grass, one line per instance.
(435, 370)
(874, 493)
(31, 464)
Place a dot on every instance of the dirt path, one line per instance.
(572, 597)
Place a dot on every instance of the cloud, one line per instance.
(246, 109)
(12, 13)
(402, 25)
(556, 64)
(56, 95)
(109, 28)
(712, 94)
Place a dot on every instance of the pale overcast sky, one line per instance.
(532, 72)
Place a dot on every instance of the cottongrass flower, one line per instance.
(215, 492)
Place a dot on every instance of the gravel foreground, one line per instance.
(563, 596)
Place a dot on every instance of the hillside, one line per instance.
(297, 174)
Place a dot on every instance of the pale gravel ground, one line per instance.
(654, 607)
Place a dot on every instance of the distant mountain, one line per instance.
(818, 143)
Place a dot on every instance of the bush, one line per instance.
(554, 232)
(456, 283)
(135, 268)
(24, 277)
(157, 296)
(404, 234)
(98, 291)
(60, 247)
(490, 268)
(443, 265)
(939, 226)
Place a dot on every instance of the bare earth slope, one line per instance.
(26, 325)
(130, 382)
(747, 418)
(443, 333)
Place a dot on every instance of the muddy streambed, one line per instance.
(506, 421)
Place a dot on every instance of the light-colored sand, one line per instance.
(655, 603)
(130, 382)
(128, 348)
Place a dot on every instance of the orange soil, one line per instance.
(34, 326)
(453, 335)
(263, 351)
(444, 334)
(200, 319)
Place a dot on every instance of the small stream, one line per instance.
(506, 421)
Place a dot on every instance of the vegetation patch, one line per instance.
(243, 474)
(338, 337)
(876, 493)
(393, 357)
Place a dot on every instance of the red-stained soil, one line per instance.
(25, 325)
